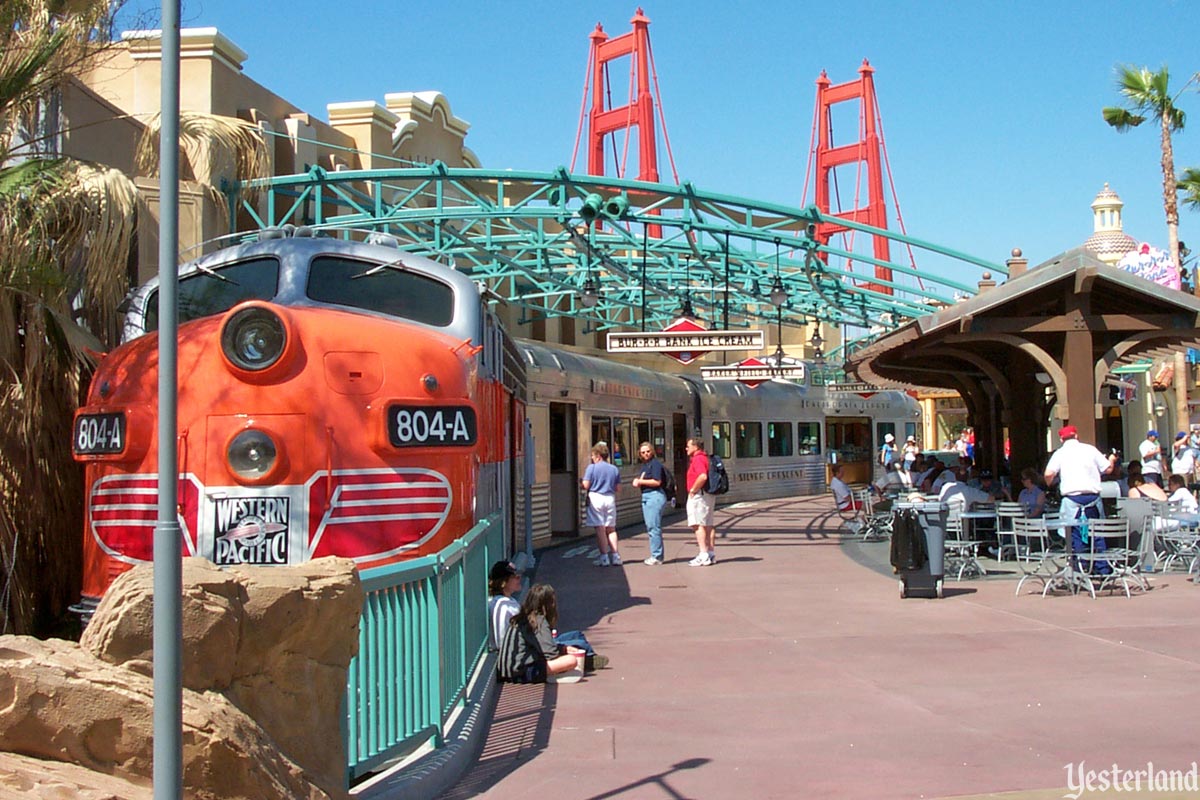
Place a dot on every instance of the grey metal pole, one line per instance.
(168, 567)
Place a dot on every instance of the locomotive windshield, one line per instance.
(385, 289)
(215, 291)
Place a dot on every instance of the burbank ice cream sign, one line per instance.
(1152, 264)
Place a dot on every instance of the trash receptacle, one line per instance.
(926, 579)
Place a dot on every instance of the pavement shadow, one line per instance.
(659, 780)
(519, 730)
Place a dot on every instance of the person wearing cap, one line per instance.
(1079, 468)
(991, 487)
(887, 453)
(1151, 454)
(1183, 462)
(504, 581)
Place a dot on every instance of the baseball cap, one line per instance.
(1153, 433)
(1181, 435)
(1067, 431)
(987, 473)
(502, 571)
(889, 438)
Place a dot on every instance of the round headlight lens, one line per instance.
(253, 338)
(251, 454)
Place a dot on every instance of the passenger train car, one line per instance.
(346, 398)
(777, 439)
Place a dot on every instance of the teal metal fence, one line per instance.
(424, 628)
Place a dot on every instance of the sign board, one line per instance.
(851, 387)
(752, 372)
(685, 341)
(1152, 264)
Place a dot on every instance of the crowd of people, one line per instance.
(530, 649)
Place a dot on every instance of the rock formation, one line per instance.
(265, 654)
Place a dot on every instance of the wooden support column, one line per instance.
(1079, 363)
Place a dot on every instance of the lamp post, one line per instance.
(778, 297)
(685, 308)
(589, 294)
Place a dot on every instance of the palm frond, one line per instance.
(219, 150)
(1189, 184)
(1121, 118)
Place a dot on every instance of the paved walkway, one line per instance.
(791, 669)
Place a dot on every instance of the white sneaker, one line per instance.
(616, 559)
(701, 560)
(652, 561)
(602, 561)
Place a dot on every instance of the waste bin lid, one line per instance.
(930, 507)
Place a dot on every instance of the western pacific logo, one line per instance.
(251, 530)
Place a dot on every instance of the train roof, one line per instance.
(295, 251)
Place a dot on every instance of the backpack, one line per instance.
(718, 478)
(668, 483)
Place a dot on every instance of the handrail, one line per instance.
(423, 630)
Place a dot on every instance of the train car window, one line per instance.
(215, 291)
(749, 440)
(641, 432)
(808, 437)
(910, 429)
(658, 438)
(620, 442)
(720, 439)
(385, 290)
(779, 439)
(602, 432)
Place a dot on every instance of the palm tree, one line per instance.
(66, 229)
(1148, 94)
(66, 233)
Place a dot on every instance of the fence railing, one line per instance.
(424, 628)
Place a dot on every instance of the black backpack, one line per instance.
(718, 478)
(668, 482)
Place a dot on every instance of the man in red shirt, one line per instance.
(700, 505)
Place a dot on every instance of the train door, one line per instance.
(679, 464)
(564, 469)
(848, 442)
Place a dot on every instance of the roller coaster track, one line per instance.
(535, 238)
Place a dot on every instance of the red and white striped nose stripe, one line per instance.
(123, 510)
(377, 513)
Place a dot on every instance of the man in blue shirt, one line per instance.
(650, 480)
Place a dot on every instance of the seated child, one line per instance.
(503, 582)
(528, 652)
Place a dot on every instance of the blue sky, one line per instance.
(990, 110)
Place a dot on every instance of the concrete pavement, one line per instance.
(791, 669)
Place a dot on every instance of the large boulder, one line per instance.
(265, 657)
(23, 778)
(59, 703)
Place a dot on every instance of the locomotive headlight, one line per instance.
(252, 455)
(253, 338)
